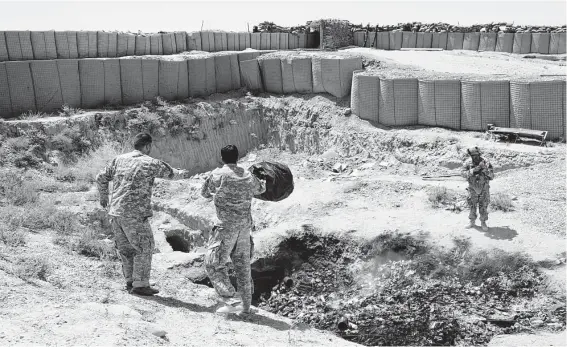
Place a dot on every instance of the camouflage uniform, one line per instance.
(233, 189)
(479, 187)
(132, 176)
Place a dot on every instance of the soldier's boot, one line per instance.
(484, 226)
(228, 309)
(145, 291)
(471, 224)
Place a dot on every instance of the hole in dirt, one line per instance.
(178, 243)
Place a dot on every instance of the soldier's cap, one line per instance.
(473, 151)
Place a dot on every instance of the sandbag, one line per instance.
(13, 45)
(132, 80)
(428, 40)
(455, 41)
(250, 75)
(370, 41)
(484, 102)
(112, 44)
(364, 96)
(38, 44)
(359, 38)
(20, 82)
(293, 41)
(409, 39)
(220, 42)
(194, 41)
(420, 40)
(91, 72)
(301, 67)
(168, 79)
(547, 107)
(520, 100)
(317, 75)
(212, 44)
(232, 44)
(242, 56)
(471, 41)
(93, 44)
(279, 180)
(505, 42)
(556, 43)
(112, 83)
(202, 79)
(46, 85)
(439, 40)
(5, 102)
(205, 44)
(540, 43)
(522, 43)
(26, 45)
(284, 41)
(235, 71)
(3, 49)
(442, 103)
(182, 81)
(142, 45)
(243, 41)
(131, 45)
(383, 40)
(223, 73)
(265, 41)
(337, 75)
(149, 84)
(62, 45)
(73, 45)
(70, 81)
(487, 42)
(156, 47)
(180, 41)
(275, 41)
(272, 75)
(83, 44)
(302, 40)
(288, 85)
(122, 45)
(102, 44)
(395, 40)
(168, 41)
(256, 40)
(397, 102)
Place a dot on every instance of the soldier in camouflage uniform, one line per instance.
(232, 189)
(478, 173)
(132, 176)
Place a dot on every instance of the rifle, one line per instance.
(440, 177)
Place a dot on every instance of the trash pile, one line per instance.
(395, 297)
(445, 27)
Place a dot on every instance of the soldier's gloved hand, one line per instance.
(103, 202)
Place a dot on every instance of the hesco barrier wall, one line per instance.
(44, 45)
(461, 105)
(46, 85)
(522, 43)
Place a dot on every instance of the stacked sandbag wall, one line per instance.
(461, 105)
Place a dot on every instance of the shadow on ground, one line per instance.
(499, 233)
(172, 302)
(262, 320)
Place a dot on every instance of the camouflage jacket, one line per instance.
(482, 179)
(132, 176)
(233, 189)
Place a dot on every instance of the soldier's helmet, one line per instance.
(473, 151)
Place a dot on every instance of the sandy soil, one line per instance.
(491, 65)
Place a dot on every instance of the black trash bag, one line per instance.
(279, 180)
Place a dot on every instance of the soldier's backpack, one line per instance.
(279, 180)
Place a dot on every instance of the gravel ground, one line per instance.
(463, 64)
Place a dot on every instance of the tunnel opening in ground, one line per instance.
(178, 243)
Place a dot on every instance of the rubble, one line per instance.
(355, 292)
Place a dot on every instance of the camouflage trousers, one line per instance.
(481, 201)
(231, 243)
(135, 243)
